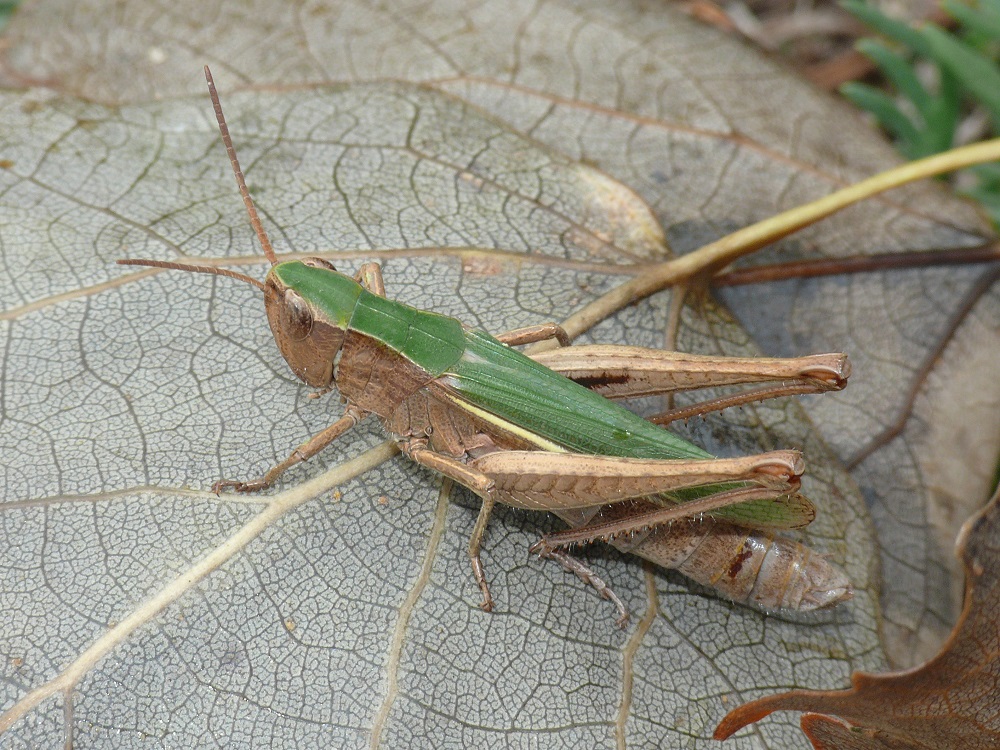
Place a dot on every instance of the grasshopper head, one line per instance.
(309, 305)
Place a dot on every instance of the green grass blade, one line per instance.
(941, 118)
(6, 10)
(898, 70)
(888, 27)
(985, 21)
(887, 113)
(977, 74)
(789, 512)
(990, 7)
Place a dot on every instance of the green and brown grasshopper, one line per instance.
(543, 432)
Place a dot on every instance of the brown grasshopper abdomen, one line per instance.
(755, 568)
(750, 567)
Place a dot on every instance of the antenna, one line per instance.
(212, 270)
(265, 243)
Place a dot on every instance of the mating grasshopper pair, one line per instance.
(543, 433)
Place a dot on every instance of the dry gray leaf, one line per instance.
(714, 137)
(346, 618)
(710, 135)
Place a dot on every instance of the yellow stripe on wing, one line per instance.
(493, 419)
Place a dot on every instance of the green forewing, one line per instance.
(510, 385)
(505, 382)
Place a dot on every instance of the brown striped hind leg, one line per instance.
(619, 372)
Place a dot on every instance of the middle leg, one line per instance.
(476, 481)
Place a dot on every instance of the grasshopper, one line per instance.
(544, 433)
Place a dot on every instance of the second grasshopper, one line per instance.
(543, 433)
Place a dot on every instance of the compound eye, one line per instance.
(298, 316)
(319, 263)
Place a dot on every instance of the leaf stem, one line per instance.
(716, 255)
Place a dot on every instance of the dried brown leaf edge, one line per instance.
(951, 701)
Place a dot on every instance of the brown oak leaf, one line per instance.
(952, 701)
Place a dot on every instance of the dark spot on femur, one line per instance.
(318, 263)
(298, 317)
(596, 381)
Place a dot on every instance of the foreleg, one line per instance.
(308, 449)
